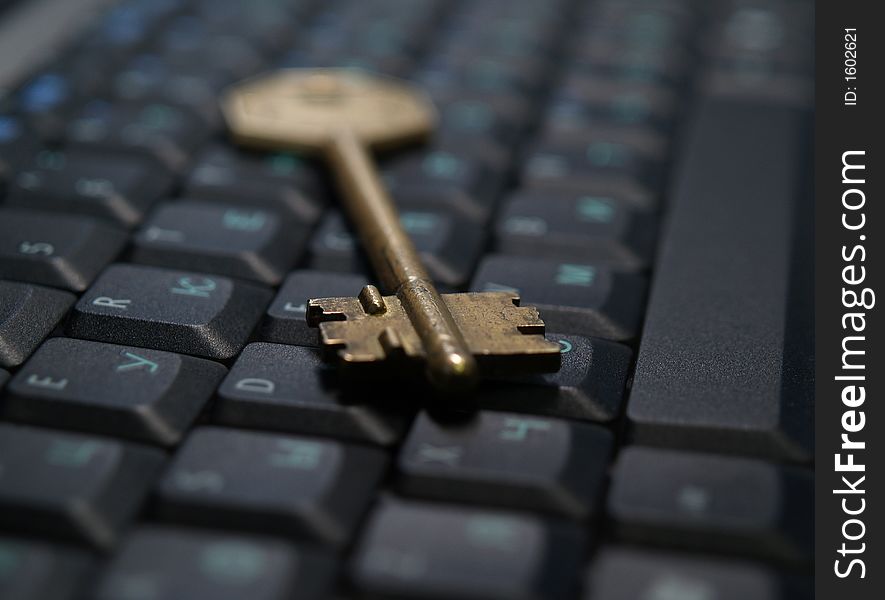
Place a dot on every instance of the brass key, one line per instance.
(342, 114)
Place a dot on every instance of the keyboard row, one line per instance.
(86, 488)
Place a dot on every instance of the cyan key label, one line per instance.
(295, 308)
(158, 234)
(136, 362)
(198, 481)
(188, 286)
(418, 222)
(256, 385)
(493, 532)
(238, 220)
(118, 303)
(523, 225)
(296, 454)
(677, 587)
(44, 248)
(233, 563)
(95, 188)
(71, 453)
(582, 275)
(46, 382)
(595, 209)
(516, 429)
(693, 499)
(446, 455)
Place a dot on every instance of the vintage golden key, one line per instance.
(342, 114)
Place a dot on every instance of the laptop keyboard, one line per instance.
(168, 430)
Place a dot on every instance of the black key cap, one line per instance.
(16, 145)
(149, 78)
(118, 187)
(160, 563)
(506, 459)
(28, 313)
(32, 570)
(731, 294)
(449, 244)
(141, 394)
(303, 487)
(280, 181)
(45, 101)
(71, 485)
(238, 241)
(623, 574)
(584, 103)
(4, 377)
(178, 311)
(576, 163)
(65, 251)
(590, 384)
(599, 229)
(423, 550)
(286, 388)
(440, 177)
(713, 503)
(579, 297)
(475, 121)
(165, 132)
(285, 321)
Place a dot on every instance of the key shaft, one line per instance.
(392, 254)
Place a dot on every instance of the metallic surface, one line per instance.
(341, 114)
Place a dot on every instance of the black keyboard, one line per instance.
(637, 169)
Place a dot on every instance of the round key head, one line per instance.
(303, 109)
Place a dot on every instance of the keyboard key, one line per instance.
(277, 182)
(4, 377)
(599, 229)
(28, 313)
(425, 550)
(159, 563)
(506, 459)
(45, 101)
(16, 145)
(32, 570)
(151, 78)
(590, 384)
(167, 133)
(449, 245)
(238, 241)
(65, 251)
(70, 485)
(294, 486)
(117, 187)
(584, 103)
(443, 173)
(623, 574)
(576, 163)
(140, 394)
(579, 297)
(285, 320)
(162, 309)
(713, 502)
(727, 357)
(287, 388)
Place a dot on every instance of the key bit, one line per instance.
(342, 115)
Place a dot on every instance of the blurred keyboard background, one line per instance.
(635, 168)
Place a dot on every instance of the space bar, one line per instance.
(725, 358)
